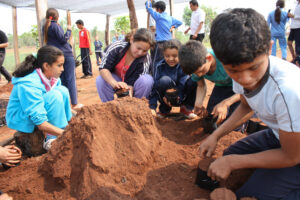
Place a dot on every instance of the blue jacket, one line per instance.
(164, 22)
(98, 45)
(175, 73)
(25, 108)
(113, 55)
(57, 38)
(278, 29)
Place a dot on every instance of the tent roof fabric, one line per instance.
(107, 7)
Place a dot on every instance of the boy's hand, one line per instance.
(171, 29)
(220, 169)
(10, 155)
(208, 146)
(220, 111)
(167, 102)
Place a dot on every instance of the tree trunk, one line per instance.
(41, 9)
(15, 35)
(132, 15)
(107, 32)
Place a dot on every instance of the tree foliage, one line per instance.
(122, 24)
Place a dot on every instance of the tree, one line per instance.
(122, 24)
(35, 34)
(210, 14)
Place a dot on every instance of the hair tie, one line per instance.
(34, 55)
(50, 17)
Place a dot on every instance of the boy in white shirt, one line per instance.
(269, 87)
(197, 26)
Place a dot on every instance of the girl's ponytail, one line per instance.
(26, 67)
(51, 14)
(279, 5)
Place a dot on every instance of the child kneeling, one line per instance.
(171, 86)
(38, 99)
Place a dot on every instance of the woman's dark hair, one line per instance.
(46, 54)
(160, 5)
(279, 5)
(172, 44)
(141, 34)
(51, 14)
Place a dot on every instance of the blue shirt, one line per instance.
(57, 38)
(278, 29)
(164, 22)
(219, 77)
(98, 45)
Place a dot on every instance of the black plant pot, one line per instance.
(210, 124)
(172, 97)
(122, 93)
(204, 181)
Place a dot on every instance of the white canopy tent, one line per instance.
(107, 7)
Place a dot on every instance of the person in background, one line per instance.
(85, 49)
(3, 45)
(54, 35)
(170, 77)
(38, 100)
(126, 65)
(117, 37)
(197, 26)
(164, 27)
(277, 20)
(98, 49)
(295, 31)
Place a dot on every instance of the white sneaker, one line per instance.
(47, 144)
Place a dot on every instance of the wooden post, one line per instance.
(15, 35)
(132, 15)
(41, 9)
(71, 40)
(107, 31)
(171, 13)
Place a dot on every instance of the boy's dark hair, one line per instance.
(160, 5)
(192, 55)
(194, 2)
(172, 44)
(279, 5)
(48, 54)
(239, 36)
(80, 22)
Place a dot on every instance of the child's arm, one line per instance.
(221, 109)
(46, 127)
(238, 117)
(176, 23)
(155, 15)
(200, 95)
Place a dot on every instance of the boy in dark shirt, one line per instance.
(3, 45)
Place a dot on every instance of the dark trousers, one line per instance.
(189, 93)
(98, 55)
(267, 184)
(86, 61)
(295, 36)
(157, 54)
(3, 71)
(199, 37)
(218, 94)
(68, 78)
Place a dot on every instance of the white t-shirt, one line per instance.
(277, 101)
(296, 20)
(197, 17)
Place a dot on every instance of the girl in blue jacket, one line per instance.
(38, 99)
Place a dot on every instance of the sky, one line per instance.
(27, 17)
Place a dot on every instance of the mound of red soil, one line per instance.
(115, 150)
(6, 88)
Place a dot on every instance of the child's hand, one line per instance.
(200, 111)
(69, 27)
(5, 197)
(10, 155)
(167, 102)
(130, 90)
(153, 112)
(220, 111)
(91, 52)
(208, 146)
(171, 29)
(120, 85)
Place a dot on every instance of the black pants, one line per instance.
(199, 37)
(86, 61)
(98, 55)
(2, 69)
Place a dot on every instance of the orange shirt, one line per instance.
(84, 38)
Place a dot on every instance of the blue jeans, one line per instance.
(267, 184)
(282, 44)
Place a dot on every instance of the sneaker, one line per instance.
(47, 144)
(187, 113)
(77, 106)
(161, 115)
(84, 76)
